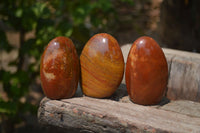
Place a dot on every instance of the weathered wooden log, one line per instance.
(119, 114)
(105, 115)
(184, 75)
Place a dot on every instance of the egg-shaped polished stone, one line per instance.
(59, 69)
(146, 72)
(102, 66)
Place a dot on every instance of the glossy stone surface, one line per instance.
(102, 66)
(146, 72)
(59, 69)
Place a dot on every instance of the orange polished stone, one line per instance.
(102, 66)
(59, 69)
(146, 72)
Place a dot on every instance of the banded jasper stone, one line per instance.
(59, 69)
(146, 72)
(102, 66)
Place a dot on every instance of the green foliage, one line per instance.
(77, 19)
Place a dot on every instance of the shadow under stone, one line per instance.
(119, 93)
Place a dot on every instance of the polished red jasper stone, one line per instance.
(102, 66)
(59, 69)
(146, 72)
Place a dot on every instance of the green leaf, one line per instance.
(28, 46)
(8, 107)
(27, 107)
(22, 76)
(64, 29)
(69, 32)
(15, 81)
(131, 2)
(41, 10)
(6, 76)
(19, 12)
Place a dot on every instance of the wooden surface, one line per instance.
(184, 75)
(119, 114)
(106, 115)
